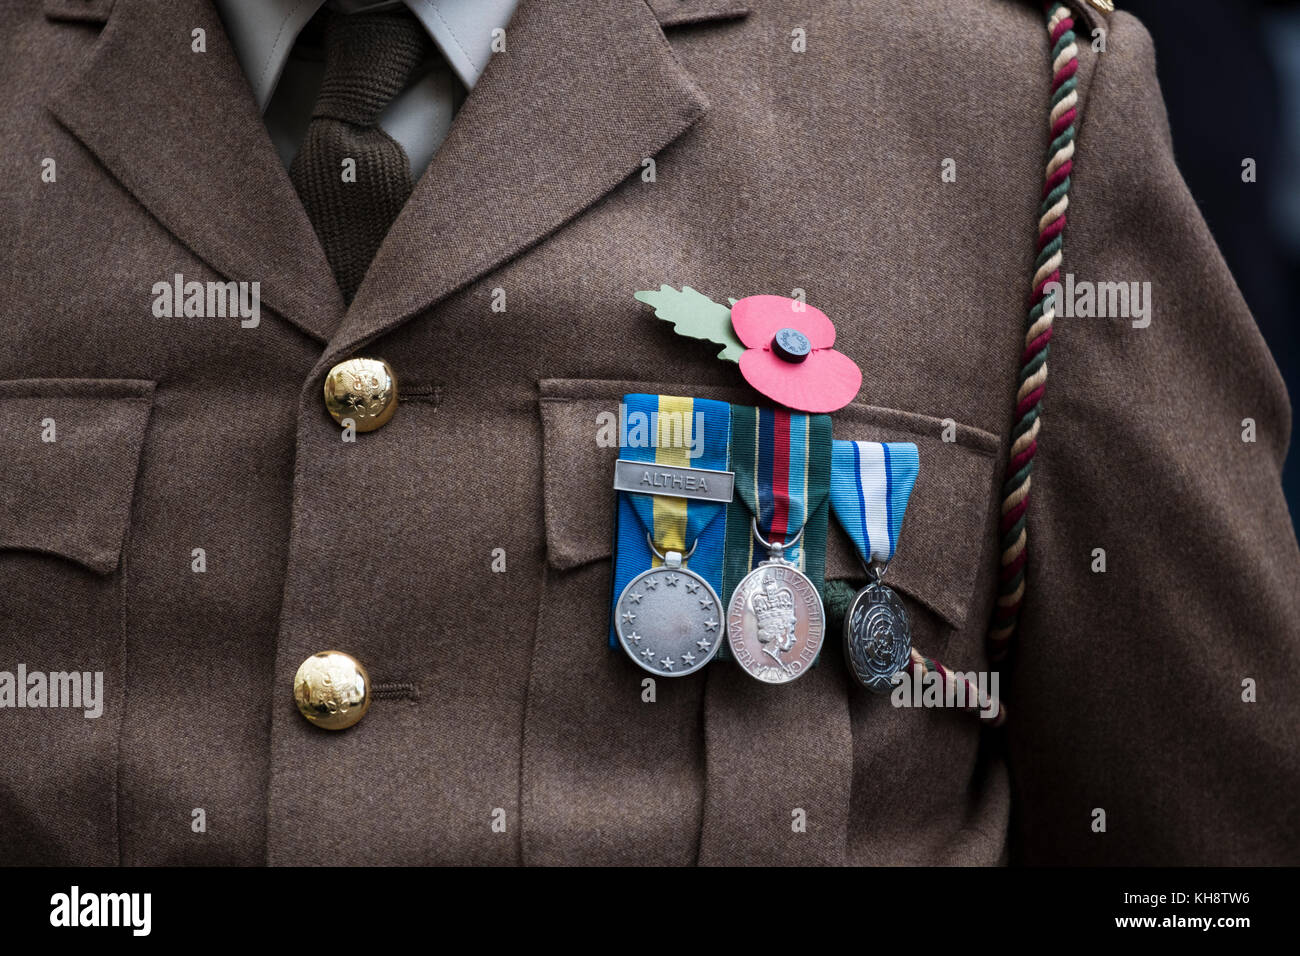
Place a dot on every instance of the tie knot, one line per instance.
(369, 58)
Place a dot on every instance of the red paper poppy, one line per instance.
(789, 355)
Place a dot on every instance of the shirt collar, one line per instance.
(263, 32)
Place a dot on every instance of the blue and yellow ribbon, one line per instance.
(684, 433)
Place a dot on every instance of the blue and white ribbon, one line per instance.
(871, 483)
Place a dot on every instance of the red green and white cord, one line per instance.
(1033, 360)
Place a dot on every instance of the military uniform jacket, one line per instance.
(497, 697)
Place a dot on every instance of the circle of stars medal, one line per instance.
(776, 622)
(877, 635)
(669, 619)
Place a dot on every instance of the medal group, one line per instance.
(721, 540)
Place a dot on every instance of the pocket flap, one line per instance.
(945, 528)
(69, 452)
(944, 531)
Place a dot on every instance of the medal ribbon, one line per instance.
(871, 483)
(782, 462)
(664, 430)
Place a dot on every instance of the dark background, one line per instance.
(1230, 74)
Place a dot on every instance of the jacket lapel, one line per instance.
(584, 92)
(180, 131)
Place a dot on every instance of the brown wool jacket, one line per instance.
(497, 696)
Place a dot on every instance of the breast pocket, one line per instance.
(587, 705)
(946, 550)
(69, 453)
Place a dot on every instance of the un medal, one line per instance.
(877, 637)
(669, 620)
(775, 623)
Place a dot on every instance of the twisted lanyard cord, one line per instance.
(1033, 361)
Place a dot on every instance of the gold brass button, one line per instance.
(332, 690)
(363, 390)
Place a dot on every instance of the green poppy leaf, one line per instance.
(695, 316)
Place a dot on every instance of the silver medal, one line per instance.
(877, 636)
(775, 623)
(669, 619)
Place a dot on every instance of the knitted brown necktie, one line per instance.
(369, 57)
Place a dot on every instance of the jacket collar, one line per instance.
(180, 131)
(585, 90)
